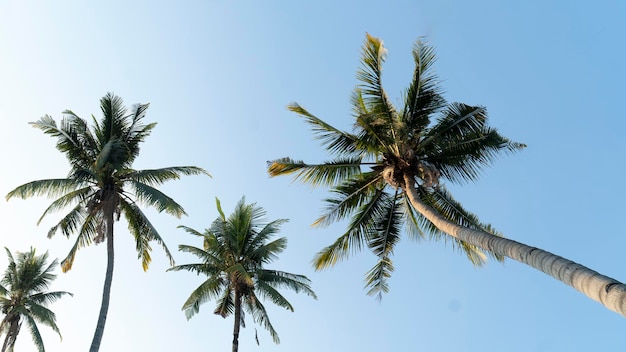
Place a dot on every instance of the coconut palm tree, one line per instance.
(386, 177)
(23, 297)
(102, 185)
(233, 258)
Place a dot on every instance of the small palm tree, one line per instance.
(236, 250)
(386, 177)
(23, 297)
(102, 185)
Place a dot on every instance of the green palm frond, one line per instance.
(209, 289)
(34, 333)
(70, 222)
(154, 177)
(50, 188)
(67, 199)
(89, 230)
(370, 74)
(270, 293)
(281, 279)
(329, 173)
(349, 196)
(157, 199)
(259, 314)
(225, 304)
(423, 97)
(376, 278)
(334, 140)
(144, 232)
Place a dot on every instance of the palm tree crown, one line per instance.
(425, 141)
(24, 297)
(102, 185)
(101, 178)
(235, 252)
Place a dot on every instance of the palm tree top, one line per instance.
(101, 175)
(234, 255)
(427, 140)
(24, 296)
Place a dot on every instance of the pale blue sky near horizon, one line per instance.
(218, 76)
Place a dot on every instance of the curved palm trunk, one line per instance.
(106, 291)
(609, 292)
(237, 321)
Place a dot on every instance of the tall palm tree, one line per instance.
(102, 185)
(386, 177)
(233, 258)
(23, 297)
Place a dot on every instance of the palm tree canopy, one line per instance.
(24, 295)
(427, 138)
(233, 257)
(101, 176)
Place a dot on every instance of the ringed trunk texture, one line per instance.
(605, 290)
(237, 325)
(106, 291)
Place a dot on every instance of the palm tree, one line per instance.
(23, 297)
(102, 185)
(236, 250)
(386, 177)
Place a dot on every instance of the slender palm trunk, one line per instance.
(237, 320)
(106, 291)
(9, 340)
(609, 292)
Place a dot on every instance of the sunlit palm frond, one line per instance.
(90, 228)
(144, 232)
(329, 173)
(370, 75)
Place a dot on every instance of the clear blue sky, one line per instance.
(218, 76)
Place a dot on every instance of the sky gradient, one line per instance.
(218, 76)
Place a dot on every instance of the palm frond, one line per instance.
(50, 188)
(77, 196)
(259, 314)
(334, 140)
(349, 196)
(370, 75)
(154, 177)
(144, 232)
(423, 97)
(157, 199)
(34, 333)
(329, 173)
